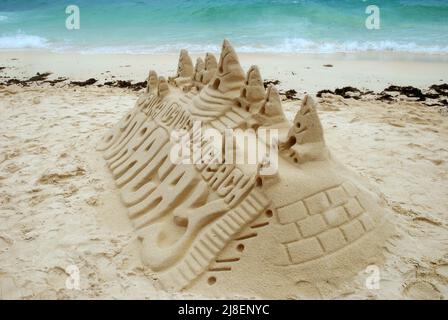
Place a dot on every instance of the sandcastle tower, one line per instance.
(210, 68)
(185, 71)
(224, 228)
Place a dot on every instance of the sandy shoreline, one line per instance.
(60, 207)
(301, 72)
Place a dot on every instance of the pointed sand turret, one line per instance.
(211, 65)
(218, 96)
(252, 93)
(230, 76)
(185, 70)
(152, 82)
(162, 89)
(305, 140)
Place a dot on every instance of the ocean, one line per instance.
(145, 26)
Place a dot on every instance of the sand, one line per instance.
(303, 72)
(59, 203)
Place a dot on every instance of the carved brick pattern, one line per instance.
(338, 220)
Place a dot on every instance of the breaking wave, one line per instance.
(23, 41)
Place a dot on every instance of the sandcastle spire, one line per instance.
(305, 140)
(252, 93)
(230, 76)
(185, 71)
(152, 82)
(269, 111)
(198, 69)
(253, 77)
(185, 66)
(272, 105)
(253, 90)
(307, 127)
(211, 65)
(162, 88)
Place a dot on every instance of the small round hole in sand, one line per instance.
(259, 182)
(211, 281)
(143, 131)
(240, 247)
(298, 124)
(296, 160)
(216, 84)
(269, 213)
(291, 141)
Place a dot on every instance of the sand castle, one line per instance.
(225, 229)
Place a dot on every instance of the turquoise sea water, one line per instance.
(254, 26)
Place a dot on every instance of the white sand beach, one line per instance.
(59, 205)
(304, 72)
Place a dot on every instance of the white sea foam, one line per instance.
(295, 45)
(23, 41)
(308, 46)
(148, 49)
(287, 46)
